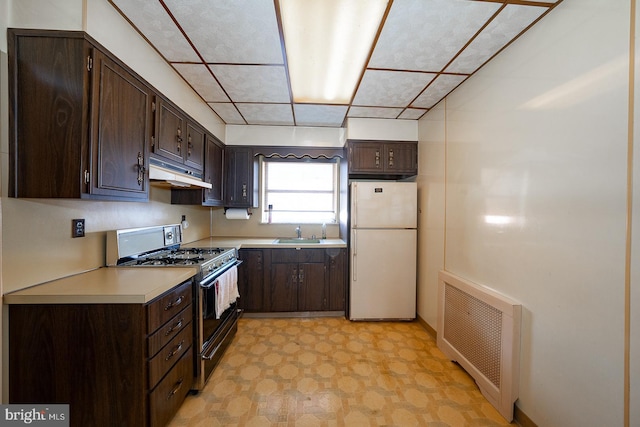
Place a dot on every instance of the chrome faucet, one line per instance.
(299, 232)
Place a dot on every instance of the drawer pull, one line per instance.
(174, 303)
(177, 350)
(175, 326)
(176, 388)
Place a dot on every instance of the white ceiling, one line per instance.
(232, 54)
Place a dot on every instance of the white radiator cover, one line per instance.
(480, 329)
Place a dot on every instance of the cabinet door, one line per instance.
(283, 290)
(251, 280)
(337, 265)
(214, 172)
(239, 177)
(48, 91)
(401, 158)
(365, 157)
(312, 287)
(121, 122)
(194, 150)
(171, 129)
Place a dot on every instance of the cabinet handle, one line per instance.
(176, 388)
(301, 276)
(174, 327)
(294, 276)
(141, 169)
(179, 139)
(174, 303)
(377, 158)
(244, 191)
(189, 146)
(177, 350)
(390, 158)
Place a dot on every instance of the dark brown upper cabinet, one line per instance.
(213, 174)
(178, 139)
(382, 158)
(241, 175)
(80, 120)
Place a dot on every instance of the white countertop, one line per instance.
(106, 285)
(261, 242)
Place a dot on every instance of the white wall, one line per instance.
(537, 140)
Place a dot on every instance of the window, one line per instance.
(299, 191)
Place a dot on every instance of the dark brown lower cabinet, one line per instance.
(292, 280)
(114, 364)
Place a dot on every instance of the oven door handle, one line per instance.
(211, 352)
(208, 282)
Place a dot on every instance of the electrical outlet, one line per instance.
(77, 228)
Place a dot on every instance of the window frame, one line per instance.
(264, 211)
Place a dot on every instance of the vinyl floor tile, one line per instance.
(331, 372)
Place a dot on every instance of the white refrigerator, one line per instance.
(383, 241)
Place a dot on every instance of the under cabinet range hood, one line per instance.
(171, 175)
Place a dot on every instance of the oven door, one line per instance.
(215, 332)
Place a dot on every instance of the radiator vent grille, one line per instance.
(480, 329)
(474, 328)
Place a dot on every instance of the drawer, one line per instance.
(163, 308)
(169, 355)
(297, 255)
(169, 330)
(167, 397)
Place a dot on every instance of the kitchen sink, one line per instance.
(302, 240)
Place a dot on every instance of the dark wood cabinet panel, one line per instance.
(240, 177)
(251, 283)
(336, 259)
(99, 359)
(283, 289)
(121, 107)
(213, 174)
(169, 136)
(393, 159)
(313, 290)
(178, 139)
(81, 128)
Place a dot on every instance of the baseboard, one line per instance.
(293, 314)
(427, 327)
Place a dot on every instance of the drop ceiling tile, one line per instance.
(267, 114)
(319, 115)
(253, 83)
(227, 112)
(199, 77)
(239, 31)
(507, 25)
(440, 87)
(426, 34)
(153, 21)
(390, 88)
(374, 112)
(412, 114)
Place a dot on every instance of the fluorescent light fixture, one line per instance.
(328, 44)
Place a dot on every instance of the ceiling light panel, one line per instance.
(152, 20)
(440, 87)
(390, 88)
(227, 112)
(253, 83)
(238, 31)
(267, 114)
(319, 115)
(327, 46)
(509, 23)
(426, 34)
(199, 77)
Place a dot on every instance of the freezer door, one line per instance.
(384, 204)
(383, 274)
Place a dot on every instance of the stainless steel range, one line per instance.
(215, 323)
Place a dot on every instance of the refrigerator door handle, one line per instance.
(354, 214)
(354, 267)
